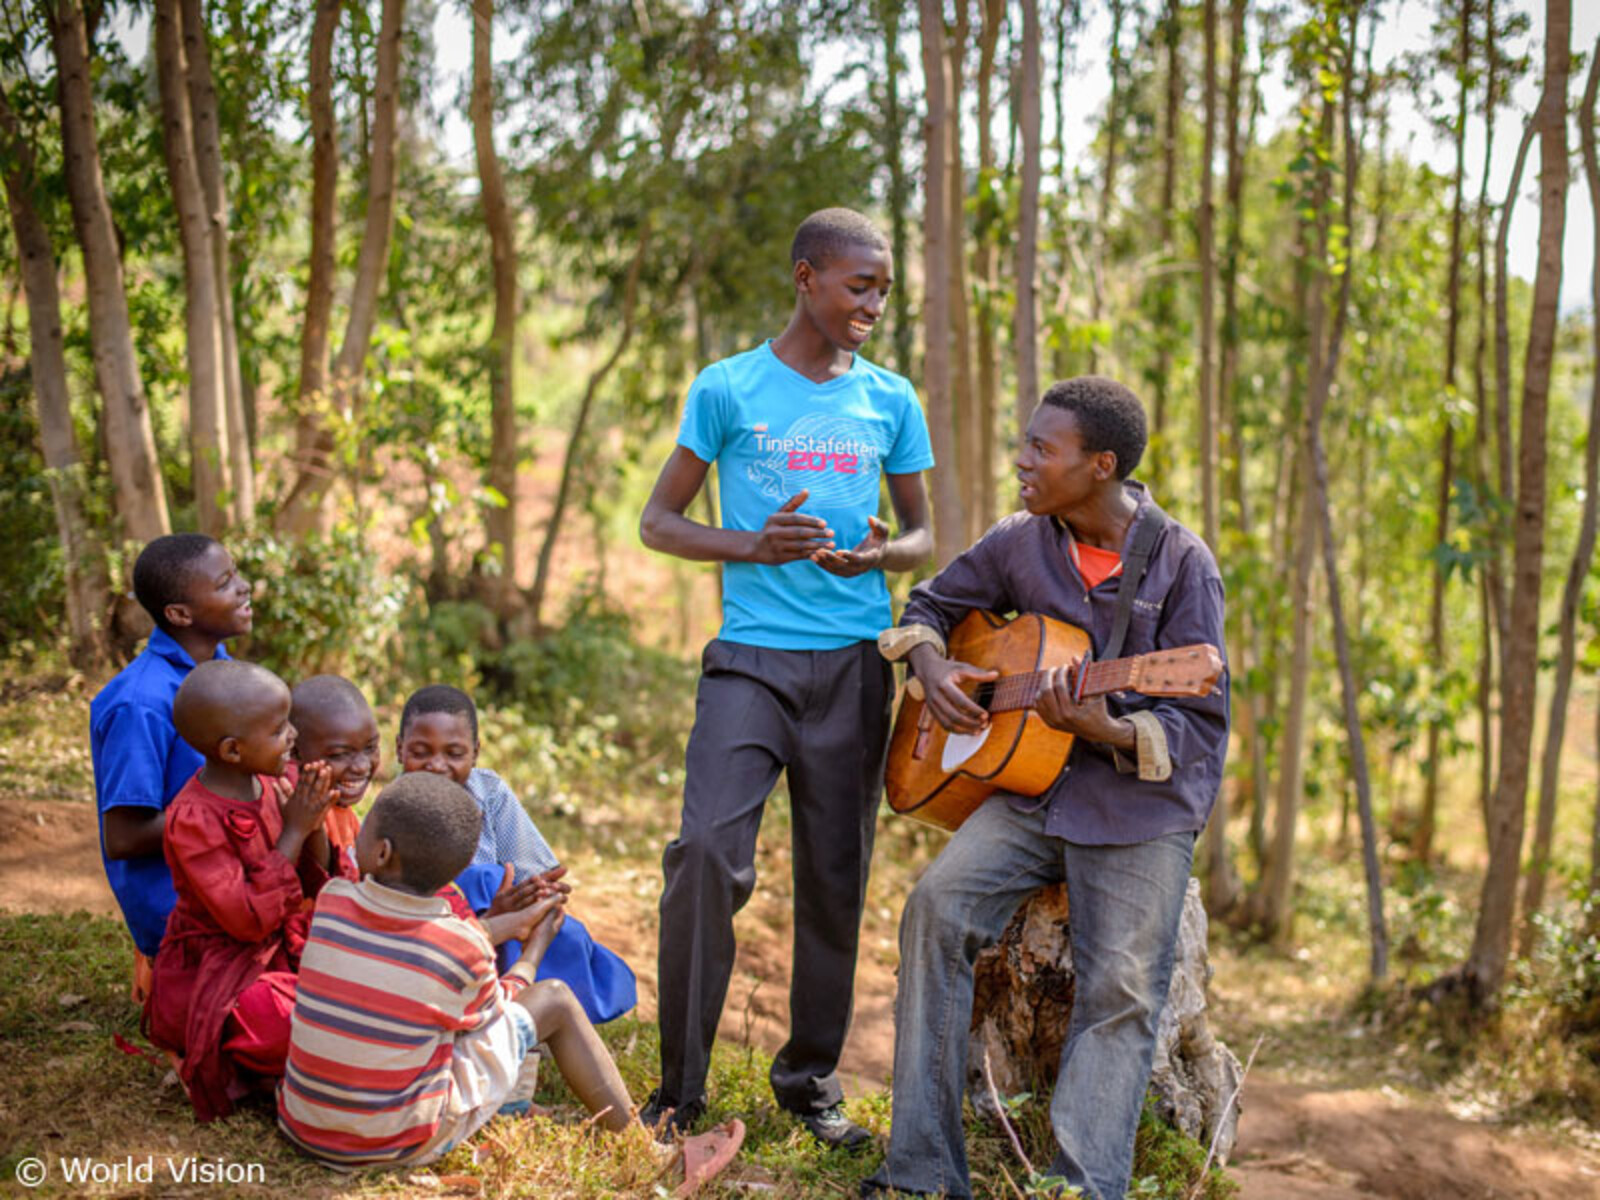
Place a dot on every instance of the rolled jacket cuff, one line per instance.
(894, 644)
(1153, 759)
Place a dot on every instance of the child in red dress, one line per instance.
(334, 725)
(247, 855)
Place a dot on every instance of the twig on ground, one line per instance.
(1000, 1110)
(1012, 1182)
(1222, 1122)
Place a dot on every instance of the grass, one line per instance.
(69, 1092)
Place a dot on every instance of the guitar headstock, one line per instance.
(1183, 671)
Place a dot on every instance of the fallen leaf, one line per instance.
(76, 1027)
(430, 1182)
(70, 999)
(461, 1185)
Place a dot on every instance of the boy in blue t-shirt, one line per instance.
(189, 585)
(802, 429)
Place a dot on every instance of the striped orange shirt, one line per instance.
(388, 983)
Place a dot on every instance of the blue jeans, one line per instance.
(1125, 904)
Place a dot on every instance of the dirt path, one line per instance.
(1295, 1140)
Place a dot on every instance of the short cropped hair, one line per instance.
(433, 825)
(830, 232)
(439, 698)
(162, 572)
(1110, 417)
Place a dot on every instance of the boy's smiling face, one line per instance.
(346, 738)
(441, 743)
(845, 298)
(216, 597)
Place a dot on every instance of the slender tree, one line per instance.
(1577, 570)
(1484, 971)
(87, 590)
(1438, 651)
(1027, 315)
(141, 504)
(1324, 368)
(1172, 38)
(969, 442)
(208, 414)
(899, 184)
(991, 216)
(628, 312)
(1205, 226)
(1483, 419)
(318, 312)
(207, 124)
(948, 526)
(501, 520)
(302, 508)
(1108, 185)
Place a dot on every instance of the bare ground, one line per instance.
(1314, 1140)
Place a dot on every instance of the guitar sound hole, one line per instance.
(985, 694)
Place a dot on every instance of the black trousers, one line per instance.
(822, 716)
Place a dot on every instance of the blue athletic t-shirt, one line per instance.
(773, 433)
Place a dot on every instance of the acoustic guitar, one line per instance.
(941, 778)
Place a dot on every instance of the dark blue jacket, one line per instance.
(1022, 565)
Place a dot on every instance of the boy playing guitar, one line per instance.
(1118, 825)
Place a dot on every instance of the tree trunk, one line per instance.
(899, 186)
(630, 297)
(208, 426)
(208, 159)
(87, 586)
(313, 390)
(302, 507)
(501, 519)
(1173, 35)
(1027, 303)
(1222, 886)
(948, 524)
(1578, 569)
(1249, 706)
(970, 439)
(141, 504)
(1326, 368)
(1488, 634)
(990, 220)
(1108, 186)
(1205, 225)
(1437, 650)
(1023, 989)
(1485, 967)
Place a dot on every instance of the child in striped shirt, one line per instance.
(404, 1039)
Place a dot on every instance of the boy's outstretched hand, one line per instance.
(303, 806)
(867, 555)
(788, 536)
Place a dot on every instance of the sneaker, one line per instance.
(833, 1129)
(665, 1119)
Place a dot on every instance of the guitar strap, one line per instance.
(1134, 564)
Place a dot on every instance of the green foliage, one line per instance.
(28, 542)
(1168, 1165)
(324, 603)
(1571, 937)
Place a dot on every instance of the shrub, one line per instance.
(323, 603)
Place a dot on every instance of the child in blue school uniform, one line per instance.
(439, 734)
(194, 592)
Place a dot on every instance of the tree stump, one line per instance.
(1022, 1007)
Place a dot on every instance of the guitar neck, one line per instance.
(1022, 691)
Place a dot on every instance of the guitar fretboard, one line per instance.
(1022, 691)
